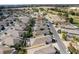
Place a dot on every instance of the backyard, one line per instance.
(75, 20)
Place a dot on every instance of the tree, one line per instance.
(59, 13)
(59, 31)
(71, 20)
(65, 14)
(56, 24)
(32, 22)
(41, 9)
(35, 10)
(72, 12)
(64, 35)
(75, 38)
(24, 35)
(23, 42)
(16, 46)
(27, 28)
(29, 34)
(19, 48)
(72, 49)
(2, 27)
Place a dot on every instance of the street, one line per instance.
(59, 42)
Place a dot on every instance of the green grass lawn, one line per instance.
(76, 23)
(76, 20)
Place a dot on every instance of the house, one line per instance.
(40, 40)
(47, 49)
(10, 36)
(5, 50)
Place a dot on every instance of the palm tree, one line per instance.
(19, 47)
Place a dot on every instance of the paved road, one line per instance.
(59, 42)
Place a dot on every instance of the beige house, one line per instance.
(9, 37)
(5, 50)
(47, 49)
(40, 40)
(38, 45)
